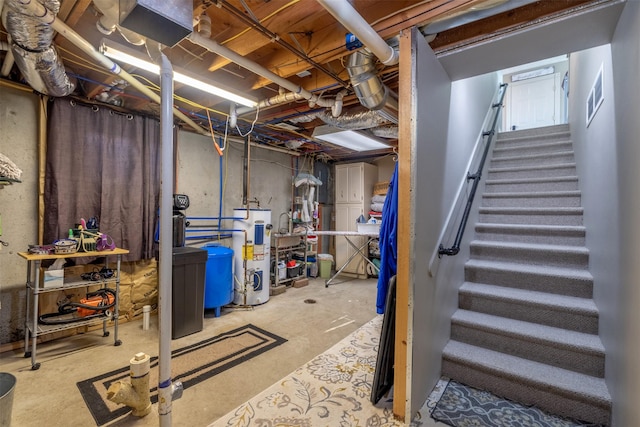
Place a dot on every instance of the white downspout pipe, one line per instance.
(8, 58)
(7, 64)
(166, 389)
(352, 21)
(41, 12)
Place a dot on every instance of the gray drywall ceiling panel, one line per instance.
(578, 32)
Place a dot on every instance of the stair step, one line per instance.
(534, 199)
(561, 311)
(548, 170)
(562, 348)
(503, 149)
(534, 216)
(536, 134)
(573, 235)
(555, 280)
(531, 253)
(556, 390)
(533, 159)
(563, 183)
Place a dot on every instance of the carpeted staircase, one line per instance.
(527, 327)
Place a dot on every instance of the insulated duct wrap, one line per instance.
(33, 50)
(362, 120)
(390, 132)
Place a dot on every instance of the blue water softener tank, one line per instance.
(218, 289)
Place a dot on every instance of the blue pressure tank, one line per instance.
(218, 289)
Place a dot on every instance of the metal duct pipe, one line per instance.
(369, 88)
(33, 50)
(351, 20)
(44, 15)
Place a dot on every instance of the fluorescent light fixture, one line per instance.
(351, 139)
(123, 54)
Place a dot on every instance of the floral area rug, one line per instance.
(333, 389)
(463, 406)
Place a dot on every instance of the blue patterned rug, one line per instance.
(463, 406)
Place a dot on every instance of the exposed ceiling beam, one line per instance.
(329, 43)
(291, 18)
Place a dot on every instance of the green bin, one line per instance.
(326, 261)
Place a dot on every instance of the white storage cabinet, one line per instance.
(354, 187)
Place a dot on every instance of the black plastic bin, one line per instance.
(188, 279)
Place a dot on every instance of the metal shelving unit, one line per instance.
(287, 244)
(33, 329)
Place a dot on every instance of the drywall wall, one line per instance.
(471, 100)
(622, 360)
(423, 148)
(597, 161)
(18, 205)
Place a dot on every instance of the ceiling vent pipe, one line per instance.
(370, 90)
(33, 50)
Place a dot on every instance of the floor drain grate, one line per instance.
(309, 301)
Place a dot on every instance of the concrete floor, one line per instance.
(49, 396)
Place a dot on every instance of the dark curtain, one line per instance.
(104, 164)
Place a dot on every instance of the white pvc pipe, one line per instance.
(46, 16)
(275, 100)
(146, 317)
(8, 58)
(352, 21)
(166, 243)
(218, 49)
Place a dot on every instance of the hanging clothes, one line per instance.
(388, 241)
